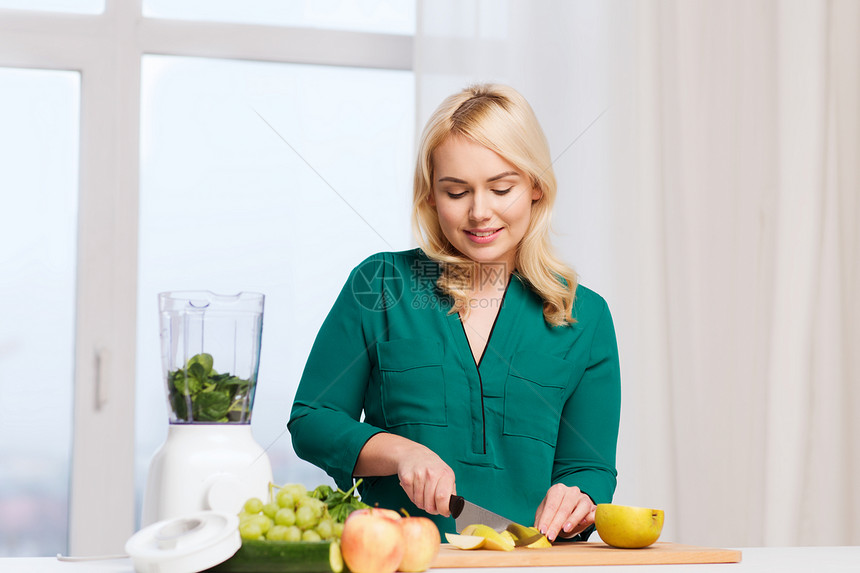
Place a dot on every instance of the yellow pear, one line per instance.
(541, 543)
(628, 527)
(492, 538)
(522, 532)
(508, 537)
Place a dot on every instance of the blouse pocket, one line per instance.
(413, 389)
(534, 396)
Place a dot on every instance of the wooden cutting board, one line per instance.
(588, 553)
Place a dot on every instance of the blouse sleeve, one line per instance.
(324, 422)
(588, 434)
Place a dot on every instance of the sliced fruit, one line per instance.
(465, 541)
(469, 529)
(541, 543)
(509, 537)
(492, 538)
(521, 531)
(335, 557)
(528, 536)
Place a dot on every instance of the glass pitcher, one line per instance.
(210, 350)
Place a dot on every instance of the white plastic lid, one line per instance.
(185, 544)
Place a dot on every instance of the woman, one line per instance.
(480, 365)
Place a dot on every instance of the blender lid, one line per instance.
(185, 544)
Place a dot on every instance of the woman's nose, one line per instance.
(480, 209)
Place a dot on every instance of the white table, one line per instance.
(755, 560)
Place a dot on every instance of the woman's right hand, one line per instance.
(426, 479)
(424, 476)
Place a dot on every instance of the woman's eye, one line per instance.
(502, 191)
(453, 195)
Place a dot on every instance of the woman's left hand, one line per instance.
(565, 511)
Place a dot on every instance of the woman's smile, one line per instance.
(483, 235)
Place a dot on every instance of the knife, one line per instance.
(466, 513)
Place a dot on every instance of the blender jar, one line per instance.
(210, 348)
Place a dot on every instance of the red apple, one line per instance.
(371, 541)
(389, 513)
(422, 540)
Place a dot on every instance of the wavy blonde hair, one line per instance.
(500, 119)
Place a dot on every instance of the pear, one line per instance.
(522, 533)
(492, 538)
(628, 527)
(508, 537)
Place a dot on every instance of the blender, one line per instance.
(210, 349)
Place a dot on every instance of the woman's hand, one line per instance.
(426, 479)
(564, 511)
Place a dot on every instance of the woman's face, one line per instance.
(483, 202)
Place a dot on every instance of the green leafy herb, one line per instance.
(199, 394)
(339, 503)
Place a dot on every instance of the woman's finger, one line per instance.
(437, 493)
(429, 495)
(557, 506)
(581, 517)
(413, 491)
(443, 497)
(566, 511)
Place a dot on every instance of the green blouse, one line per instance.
(541, 406)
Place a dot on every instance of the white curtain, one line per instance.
(708, 153)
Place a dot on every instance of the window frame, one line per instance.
(107, 50)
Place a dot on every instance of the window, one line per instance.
(381, 16)
(39, 112)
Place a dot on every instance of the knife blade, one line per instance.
(466, 513)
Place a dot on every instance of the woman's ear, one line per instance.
(431, 199)
(537, 193)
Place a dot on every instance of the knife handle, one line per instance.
(455, 504)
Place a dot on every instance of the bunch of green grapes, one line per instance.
(290, 515)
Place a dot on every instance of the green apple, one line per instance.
(628, 527)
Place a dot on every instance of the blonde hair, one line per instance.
(500, 119)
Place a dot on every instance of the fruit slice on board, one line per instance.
(528, 536)
(492, 538)
(541, 543)
(465, 541)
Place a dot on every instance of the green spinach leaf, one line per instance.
(199, 394)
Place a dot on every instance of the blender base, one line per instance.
(205, 467)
